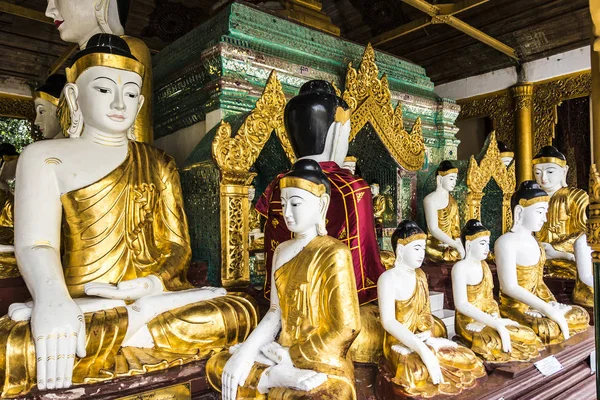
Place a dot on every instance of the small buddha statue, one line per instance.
(109, 287)
(350, 164)
(441, 215)
(46, 99)
(477, 318)
(256, 236)
(314, 309)
(318, 125)
(8, 163)
(422, 361)
(506, 155)
(520, 258)
(379, 204)
(563, 236)
(78, 20)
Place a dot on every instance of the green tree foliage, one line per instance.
(16, 132)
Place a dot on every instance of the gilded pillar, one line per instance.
(523, 99)
(234, 210)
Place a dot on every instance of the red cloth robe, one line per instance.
(349, 219)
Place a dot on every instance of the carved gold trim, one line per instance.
(547, 96)
(478, 176)
(498, 106)
(235, 155)
(370, 100)
(593, 233)
(14, 106)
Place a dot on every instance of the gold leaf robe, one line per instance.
(460, 366)
(8, 262)
(449, 223)
(487, 343)
(531, 278)
(320, 320)
(129, 224)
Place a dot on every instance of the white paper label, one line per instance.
(593, 361)
(548, 366)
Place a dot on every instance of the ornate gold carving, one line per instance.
(370, 100)
(547, 96)
(522, 96)
(234, 157)
(498, 107)
(478, 176)
(593, 233)
(17, 107)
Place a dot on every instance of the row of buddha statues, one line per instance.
(105, 255)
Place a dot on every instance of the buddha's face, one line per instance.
(507, 161)
(448, 182)
(350, 165)
(374, 190)
(109, 98)
(251, 193)
(534, 216)
(550, 176)
(411, 254)
(479, 248)
(46, 119)
(302, 210)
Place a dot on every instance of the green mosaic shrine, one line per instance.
(224, 64)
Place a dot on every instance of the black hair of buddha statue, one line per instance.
(444, 166)
(405, 229)
(503, 148)
(550, 151)
(123, 10)
(54, 85)
(311, 171)
(107, 44)
(472, 227)
(527, 190)
(7, 149)
(309, 115)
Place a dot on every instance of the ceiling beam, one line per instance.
(62, 59)
(24, 12)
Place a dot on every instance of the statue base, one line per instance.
(520, 381)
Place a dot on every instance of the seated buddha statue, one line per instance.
(520, 258)
(318, 125)
(46, 99)
(314, 309)
(350, 164)
(563, 235)
(477, 318)
(8, 162)
(105, 255)
(443, 221)
(78, 20)
(256, 239)
(506, 155)
(422, 361)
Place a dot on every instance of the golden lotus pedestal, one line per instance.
(520, 381)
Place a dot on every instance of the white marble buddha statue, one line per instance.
(350, 164)
(442, 217)
(314, 309)
(78, 20)
(422, 362)
(105, 255)
(506, 155)
(477, 318)
(46, 98)
(520, 258)
(564, 234)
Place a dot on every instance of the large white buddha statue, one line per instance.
(564, 234)
(442, 217)
(45, 99)
(422, 361)
(78, 20)
(105, 255)
(314, 309)
(520, 258)
(478, 320)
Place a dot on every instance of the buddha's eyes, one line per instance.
(102, 90)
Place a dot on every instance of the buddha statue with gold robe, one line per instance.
(105, 255)
(45, 99)
(78, 20)
(8, 161)
(442, 217)
(314, 309)
(477, 318)
(520, 258)
(563, 235)
(422, 361)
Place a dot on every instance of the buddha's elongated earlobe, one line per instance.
(76, 126)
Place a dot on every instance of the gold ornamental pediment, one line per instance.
(369, 98)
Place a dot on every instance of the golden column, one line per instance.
(523, 97)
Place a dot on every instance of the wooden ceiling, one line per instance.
(534, 28)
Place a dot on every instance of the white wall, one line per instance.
(534, 71)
